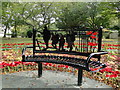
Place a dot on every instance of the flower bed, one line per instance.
(11, 62)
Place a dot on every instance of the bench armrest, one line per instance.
(91, 55)
(23, 50)
(97, 53)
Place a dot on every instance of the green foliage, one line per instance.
(115, 28)
(72, 16)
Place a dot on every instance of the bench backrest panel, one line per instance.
(86, 41)
(89, 40)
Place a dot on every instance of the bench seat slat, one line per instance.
(74, 62)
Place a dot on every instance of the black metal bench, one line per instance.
(86, 45)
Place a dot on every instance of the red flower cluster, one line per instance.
(92, 34)
(109, 70)
(92, 44)
(88, 32)
(94, 69)
(13, 64)
(111, 76)
(9, 44)
(6, 47)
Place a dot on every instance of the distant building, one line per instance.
(113, 34)
(110, 34)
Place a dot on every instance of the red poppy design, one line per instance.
(95, 33)
(89, 32)
(92, 44)
(93, 37)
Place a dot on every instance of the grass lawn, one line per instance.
(29, 40)
(16, 40)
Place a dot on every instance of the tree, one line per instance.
(11, 16)
(115, 11)
(72, 16)
(85, 14)
(37, 14)
(6, 16)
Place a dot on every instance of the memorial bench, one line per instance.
(87, 48)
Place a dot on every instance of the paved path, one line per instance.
(49, 79)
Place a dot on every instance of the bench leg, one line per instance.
(99, 58)
(80, 73)
(39, 69)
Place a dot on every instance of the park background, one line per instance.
(19, 19)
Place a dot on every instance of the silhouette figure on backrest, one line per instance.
(46, 36)
(61, 43)
(70, 38)
(55, 39)
(69, 41)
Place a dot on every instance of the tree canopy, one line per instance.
(59, 15)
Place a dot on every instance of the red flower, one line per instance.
(2, 65)
(6, 47)
(114, 75)
(12, 64)
(108, 69)
(62, 65)
(14, 44)
(18, 62)
(102, 70)
(59, 65)
(20, 43)
(54, 65)
(8, 44)
(89, 32)
(45, 64)
(116, 72)
(94, 69)
(27, 44)
(109, 44)
(50, 64)
(66, 66)
(111, 76)
(84, 47)
(107, 75)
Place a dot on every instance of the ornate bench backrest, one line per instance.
(86, 41)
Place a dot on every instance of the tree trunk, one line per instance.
(15, 29)
(5, 31)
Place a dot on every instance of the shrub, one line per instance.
(29, 34)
